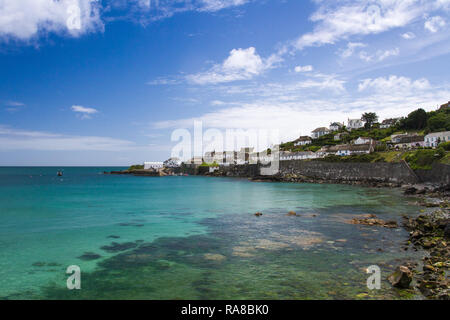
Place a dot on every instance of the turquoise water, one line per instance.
(191, 237)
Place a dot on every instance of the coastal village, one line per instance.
(366, 139)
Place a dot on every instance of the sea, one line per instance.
(193, 237)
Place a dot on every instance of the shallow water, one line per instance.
(192, 237)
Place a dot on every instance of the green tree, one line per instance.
(439, 122)
(369, 118)
(416, 120)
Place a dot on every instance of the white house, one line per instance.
(302, 141)
(336, 126)
(354, 124)
(433, 139)
(153, 165)
(387, 123)
(363, 140)
(319, 132)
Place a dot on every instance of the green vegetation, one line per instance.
(354, 158)
(445, 146)
(424, 158)
(136, 167)
(214, 164)
(434, 121)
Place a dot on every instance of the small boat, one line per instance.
(60, 174)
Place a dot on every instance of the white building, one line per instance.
(389, 123)
(363, 140)
(302, 141)
(153, 165)
(319, 132)
(336, 126)
(433, 139)
(346, 150)
(354, 124)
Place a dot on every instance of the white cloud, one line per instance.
(308, 68)
(15, 139)
(85, 112)
(394, 83)
(434, 24)
(241, 64)
(26, 19)
(379, 56)
(351, 47)
(408, 36)
(338, 20)
(284, 108)
(215, 5)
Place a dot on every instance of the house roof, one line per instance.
(321, 129)
(304, 138)
(336, 124)
(412, 139)
(438, 134)
(390, 121)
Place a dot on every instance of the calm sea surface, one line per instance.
(192, 237)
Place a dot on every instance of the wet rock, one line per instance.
(401, 278)
(447, 230)
(372, 220)
(410, 191)
(88, 256)
(292, 213)
(258, 214)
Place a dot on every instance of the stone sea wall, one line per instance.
(362, 172)
(300, 170)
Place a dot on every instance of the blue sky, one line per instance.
(111, 89)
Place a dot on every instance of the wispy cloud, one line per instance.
(17, 139)
(86, 113)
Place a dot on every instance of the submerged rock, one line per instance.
(292, 213)
(258, 214)
(214, 257)
(87, 256)
(116, 247)
(401, 278)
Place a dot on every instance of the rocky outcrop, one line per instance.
(372, 220)
(401, 278)
(428, 231)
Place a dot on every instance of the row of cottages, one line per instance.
(407, 141)
(228, 157)
(346, 150)
(286, 155)
(432, 140)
